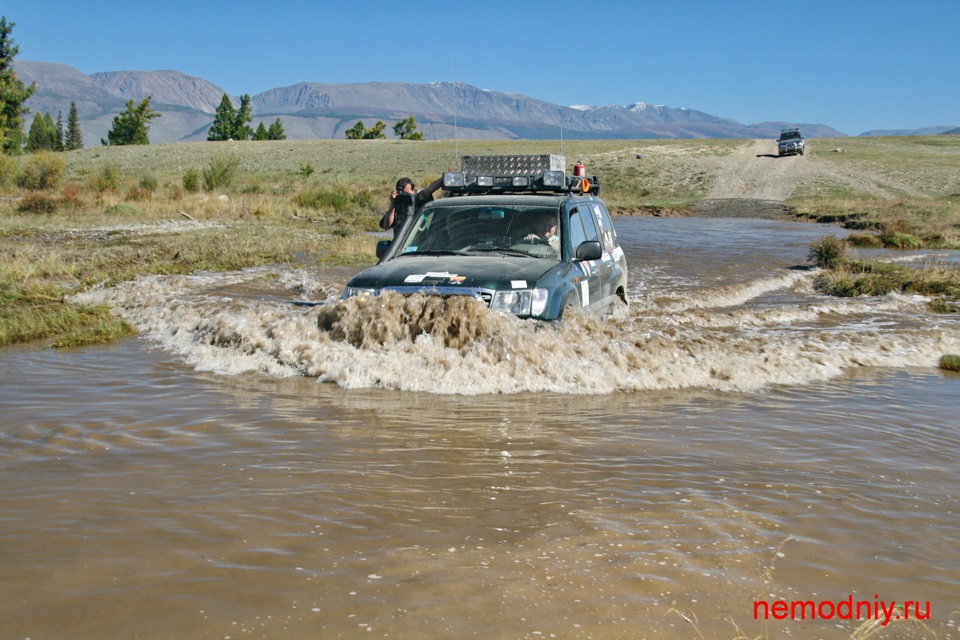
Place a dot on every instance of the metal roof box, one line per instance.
(512, 165)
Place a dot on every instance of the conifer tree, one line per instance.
(74, 139)
(232, 123)
(131, 126)
(59, 139)
(223, 121)
(261, 133)
(241, 126)
(42, 135)
(13, 93)
(276, 131)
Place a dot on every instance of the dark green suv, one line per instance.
(533, 242)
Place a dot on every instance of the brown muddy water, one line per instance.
(421, 470)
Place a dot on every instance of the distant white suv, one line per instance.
(790, 142)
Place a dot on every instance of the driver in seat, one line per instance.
(540, 228)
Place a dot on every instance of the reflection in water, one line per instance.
(200, 482)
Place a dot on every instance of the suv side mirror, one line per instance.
(589, 250)
(382, 247)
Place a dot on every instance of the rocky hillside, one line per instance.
(167, 88)
(314, 110)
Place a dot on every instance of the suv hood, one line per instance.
(469, 272)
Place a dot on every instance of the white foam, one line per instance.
(427, 345)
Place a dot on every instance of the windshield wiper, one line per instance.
(503, 250)
(430, 252)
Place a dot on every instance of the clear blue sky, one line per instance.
(855, 65)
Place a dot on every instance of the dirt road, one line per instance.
(754, 181)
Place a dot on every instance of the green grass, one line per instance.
(107, 214)
(896, 186)
(950, 362)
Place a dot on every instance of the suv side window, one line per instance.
(581, 227)
(607, 233)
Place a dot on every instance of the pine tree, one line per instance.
(241, 126)
(223, 121)
(74, 139)
(261, 133)
(130, 127)
(59, 139)
(232, 123)
(42, 135)
(13, 93)
(276, 131)
(37, 136)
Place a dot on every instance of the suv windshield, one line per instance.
(494, 229)
(790, 135)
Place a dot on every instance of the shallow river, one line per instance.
(729, 445)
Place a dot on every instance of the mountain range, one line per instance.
(311, 110)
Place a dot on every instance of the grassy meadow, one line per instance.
(102, 215)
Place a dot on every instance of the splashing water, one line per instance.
(737, 337)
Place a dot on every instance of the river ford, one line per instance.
(420, 469)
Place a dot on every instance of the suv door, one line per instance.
(614, 268)
(582, 228)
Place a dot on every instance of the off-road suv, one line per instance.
(515, 232)
(790, 142)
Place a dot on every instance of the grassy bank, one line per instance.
(107, 214)
(902, 192)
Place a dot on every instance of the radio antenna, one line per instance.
(456, 131)
(456, 101)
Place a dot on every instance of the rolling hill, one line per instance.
(312, 110)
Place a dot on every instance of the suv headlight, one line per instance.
(350, 292)
(520, 302)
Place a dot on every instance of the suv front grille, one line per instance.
(486, 295)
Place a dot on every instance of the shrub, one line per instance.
(306, 169)
(319, 198)
(898, 240)
(107, 179)
(72, 196)
(37, 203)
(939, 305)
(828, 252)
(191, 180)
(950, 362)
(138, 194)
(41, 171)
(340, 199)
(220, 171)
(148, 183)
(846, 285)
(864, 241)
(8, 170)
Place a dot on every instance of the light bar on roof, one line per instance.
(453, 179)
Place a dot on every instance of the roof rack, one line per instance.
(516, 174)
